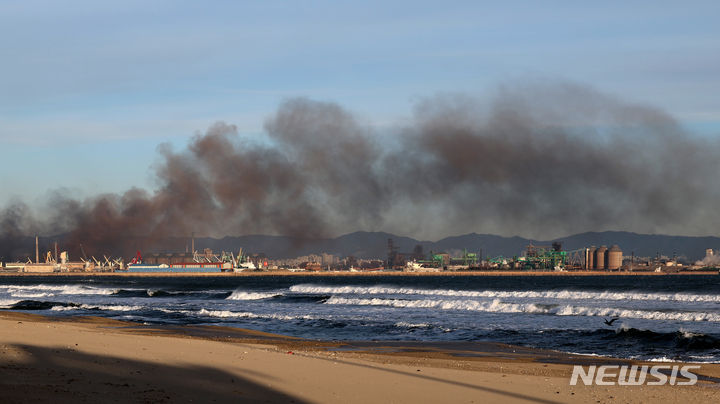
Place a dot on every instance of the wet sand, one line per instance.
(89, 359)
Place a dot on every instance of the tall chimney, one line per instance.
(37, 251)
(193, 242)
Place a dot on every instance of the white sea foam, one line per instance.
(226, 313)
(642, 314)
(661, 359)
(30, 295)
(97, 307)
(7, 303)
(505, 294)
(243, 295)
(586, 354)
(702, 359)
(403, 324)
(497, 306)
(54, 290)
(246, 314)
(688, 334)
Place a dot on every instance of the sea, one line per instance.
(658, 318)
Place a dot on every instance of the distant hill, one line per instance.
(363, 244)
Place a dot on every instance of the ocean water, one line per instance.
(658, 317)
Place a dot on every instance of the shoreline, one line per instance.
(361, 274)
(460, 350)
(48, 359)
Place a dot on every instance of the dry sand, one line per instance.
(99, 360)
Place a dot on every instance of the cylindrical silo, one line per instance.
(600, 262)
(614, 258)
(590, 258)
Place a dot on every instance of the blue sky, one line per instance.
(88, 89)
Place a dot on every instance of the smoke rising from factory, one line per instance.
(537, 160)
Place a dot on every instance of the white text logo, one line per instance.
(634, 375)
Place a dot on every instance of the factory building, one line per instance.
(167, 258)
(206, 255)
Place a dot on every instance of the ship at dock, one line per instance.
(205, 261)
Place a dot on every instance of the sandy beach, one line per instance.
(87, 359)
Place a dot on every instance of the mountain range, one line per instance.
(375, 244)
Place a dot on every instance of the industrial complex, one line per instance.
(533, 258)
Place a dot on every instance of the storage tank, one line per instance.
(600, 258)
(614, 258)
(590, 257)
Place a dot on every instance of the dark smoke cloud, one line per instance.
(538, 160)
(564, 159)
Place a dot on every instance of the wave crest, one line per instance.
(505, 294)
(497, 306)
(244, 295)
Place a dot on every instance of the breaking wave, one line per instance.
(497, 306)
(64, 306)
(39, 305)
(494, 306)
(246, 314)
(102, 307)
(680, 339)
(243, 295)
(503, 294)
(53, 290)
(641, 314)
(7, 303)
(26, 295)
(292, 298)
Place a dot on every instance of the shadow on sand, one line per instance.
(39, 374)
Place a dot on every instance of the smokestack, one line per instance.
(37, 251)
(193, 242)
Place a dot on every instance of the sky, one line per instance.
(89, 89)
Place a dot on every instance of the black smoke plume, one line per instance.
(538, 160)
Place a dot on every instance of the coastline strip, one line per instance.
(352, 274)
